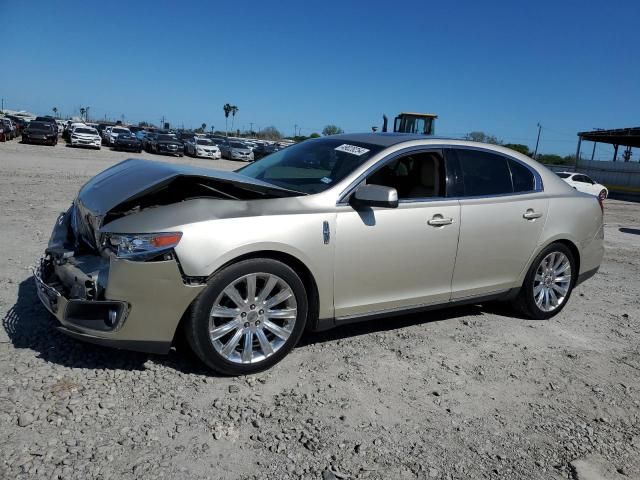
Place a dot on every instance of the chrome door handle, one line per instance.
(439, 221)
(530, 214)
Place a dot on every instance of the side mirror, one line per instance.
(375, 196)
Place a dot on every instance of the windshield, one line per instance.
(312, 166)
(167, 137)
(237, 145)
(39, 126)
(89, 131)
(120, 130)
(125, 136)
(563, 175)
(203, 142)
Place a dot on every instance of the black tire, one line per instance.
(525, 302)
(603, 194)
(197, 324)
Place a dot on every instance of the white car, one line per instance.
(61, 126)
(114, 132)
(583, 183)
(85, 136)
(202, 147)
(105, 134)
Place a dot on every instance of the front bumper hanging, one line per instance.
(138, 308)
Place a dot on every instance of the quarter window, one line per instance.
(523, 180)
(484, 173)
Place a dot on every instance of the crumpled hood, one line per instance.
(133, 178)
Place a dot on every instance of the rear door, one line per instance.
(502, 215)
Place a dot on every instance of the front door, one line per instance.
(394, 258)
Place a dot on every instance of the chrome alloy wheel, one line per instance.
(552, 281)
(252, 318)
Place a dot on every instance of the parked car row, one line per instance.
(136, 139)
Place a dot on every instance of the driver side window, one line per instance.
(414, 176)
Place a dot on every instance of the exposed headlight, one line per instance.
(142, 246)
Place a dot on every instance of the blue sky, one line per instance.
(499, 67)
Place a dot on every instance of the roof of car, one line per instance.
(386, 139)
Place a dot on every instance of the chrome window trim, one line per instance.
(538, 184)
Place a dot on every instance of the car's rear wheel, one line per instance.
(548, 284)
(249, 317)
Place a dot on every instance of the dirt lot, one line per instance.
(463, 393)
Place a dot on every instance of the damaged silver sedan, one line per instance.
(323, 233)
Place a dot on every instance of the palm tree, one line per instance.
(82, 112)
(227, 110)
(204, 127)
(234, 110)
(55, 111)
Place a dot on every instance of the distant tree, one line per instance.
(270, 133)
(82, 112)
(552, 159)
(234, 110)
(518, 147)
(331, 130)
(314, 135)
(143, 124)
(482, 137)
(203, 127)
(227, 110)
(55, 111)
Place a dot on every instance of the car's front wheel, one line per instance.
(603, 194)
(249, 317)
(548, 284)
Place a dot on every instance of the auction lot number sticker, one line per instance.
(352, 149)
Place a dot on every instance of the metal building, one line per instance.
(622, 173)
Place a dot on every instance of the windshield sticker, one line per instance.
(325, 180)
(352, 149)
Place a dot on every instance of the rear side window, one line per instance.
(484, 173)
(523, 180)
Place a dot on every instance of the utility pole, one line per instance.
(295, 128)
(535, 154)
(86, 114)
(2, 108)
(250, 126)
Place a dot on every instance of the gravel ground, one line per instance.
(463, 393)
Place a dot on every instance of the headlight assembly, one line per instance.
(143, 246)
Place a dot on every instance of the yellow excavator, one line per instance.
(407, 122)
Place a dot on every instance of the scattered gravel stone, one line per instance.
(414, 397)
(25, 419)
